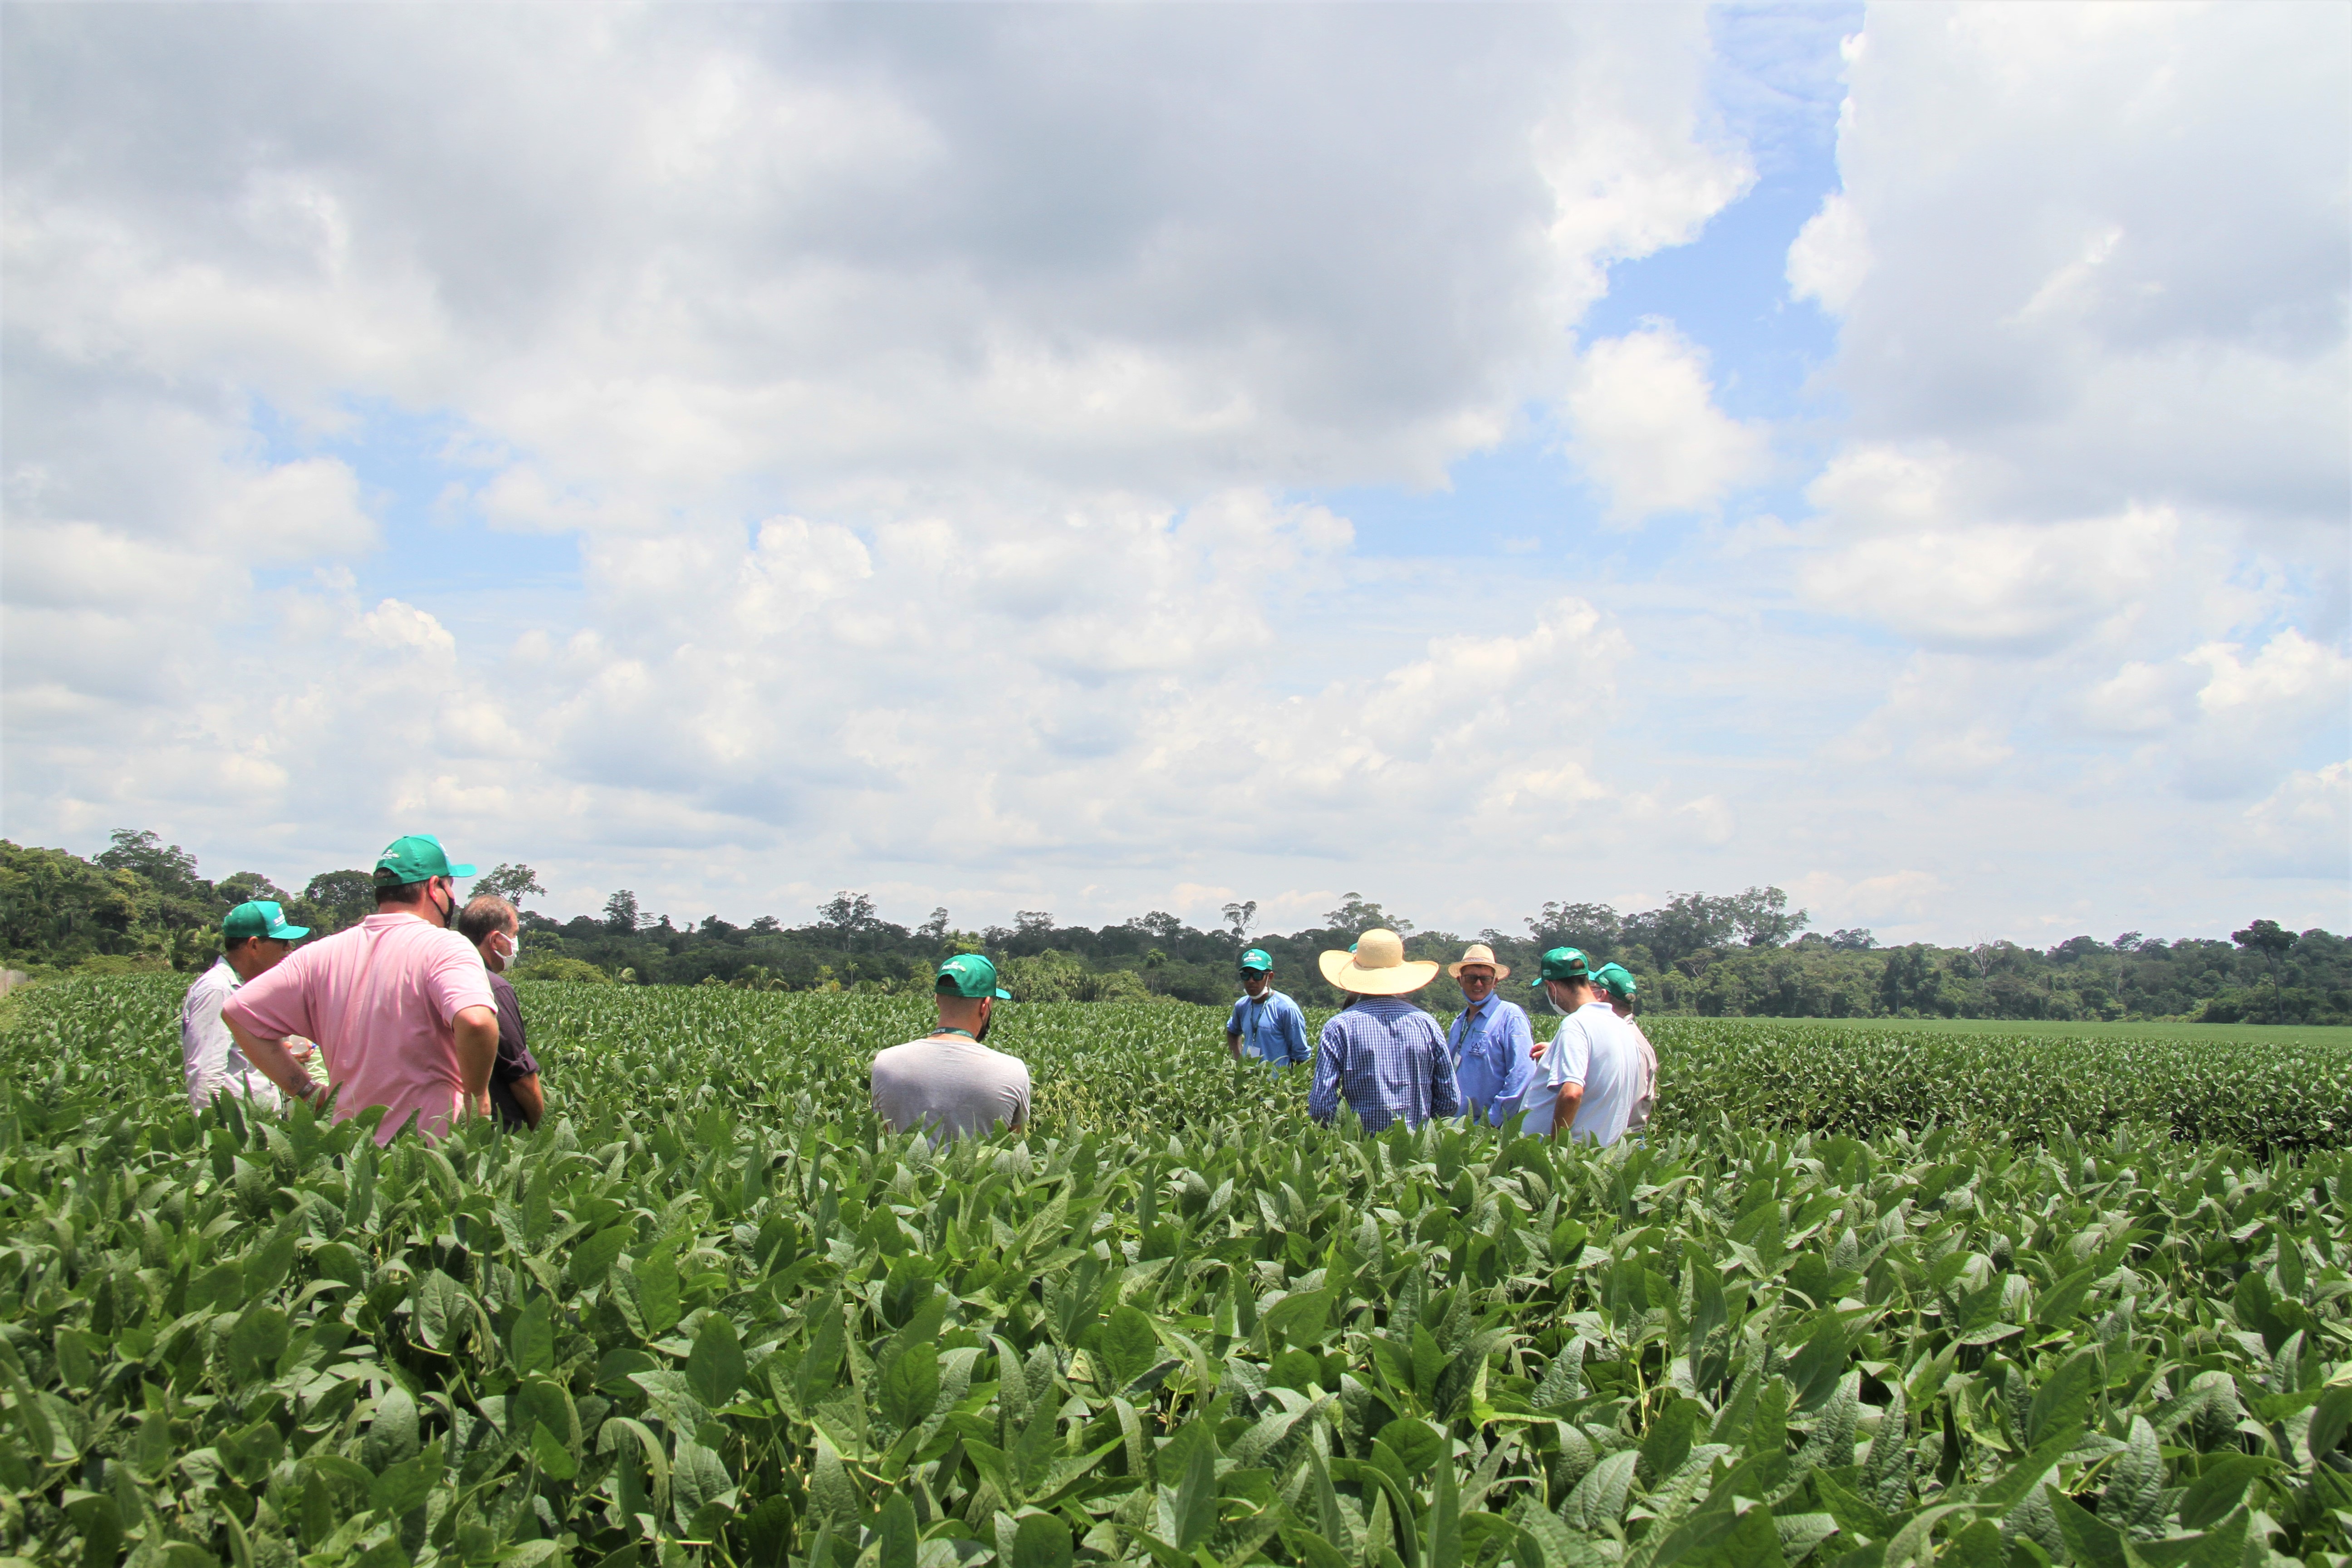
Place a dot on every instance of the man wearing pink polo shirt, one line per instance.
(399, 1004)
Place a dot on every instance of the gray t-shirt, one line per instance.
(952, 1085)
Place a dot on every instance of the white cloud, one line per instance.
(1643, 425)
(1831, 255)
(2303, 828)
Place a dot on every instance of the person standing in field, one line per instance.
(1383, 1053)
(399, 1004)
(1617, 983)
(948, 1081)
(1265, 1021)
(1492, 1043)
(1590, 1071)
(254, 938)
(492, 925)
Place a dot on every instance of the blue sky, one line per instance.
(1115, 459)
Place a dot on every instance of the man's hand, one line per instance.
(1233, 1043)
(1535, 1052)
(530, 1099)
(277, 1062)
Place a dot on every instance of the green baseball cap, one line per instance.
(415, 858)
(1259, 958)
(261, 917)
(1563, 963)
(971, 974)
(1617, 980)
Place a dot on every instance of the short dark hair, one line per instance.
(230, 944)
(400, 893)
(483, 914)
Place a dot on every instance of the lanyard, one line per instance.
(967, 1034)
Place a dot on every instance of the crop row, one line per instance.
(710, 1313)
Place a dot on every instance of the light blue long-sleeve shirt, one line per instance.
(1493, 1047)
(1271, 1028)
(1386, 1056)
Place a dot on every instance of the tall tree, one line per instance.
(1241, 917)
(1359, 914)
(1762, 917)
(621, 913)
(335, 900)
(513, 883)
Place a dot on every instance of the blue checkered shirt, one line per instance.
(1387, 1056)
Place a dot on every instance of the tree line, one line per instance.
(141, 904)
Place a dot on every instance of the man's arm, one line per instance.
(276, 1064)
(1323, 1099)
(1233, 1042)
(1294, 1049)
(1563, 1111)
(477, 1050)
(1518, 1043)
(1445, 1089)
(528, 1099)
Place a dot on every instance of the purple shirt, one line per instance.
(515, 1059)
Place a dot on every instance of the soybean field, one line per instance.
(1866, 1297)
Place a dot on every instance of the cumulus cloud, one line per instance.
(1643, 425)
(2087, 271)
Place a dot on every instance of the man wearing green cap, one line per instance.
(949, 1082)
(1587, 1075)
(1263, 1019)
(254, 938)
(399, 1004)
(1617, 983)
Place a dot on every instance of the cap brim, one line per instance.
(460, 871)
(1004, 995)
(290, 933)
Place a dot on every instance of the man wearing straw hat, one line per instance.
(1491, 1043)
(1617, 983)
(1382, 1052)
(1590, 1070)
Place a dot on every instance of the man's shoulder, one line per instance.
(500, 986)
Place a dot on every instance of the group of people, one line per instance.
(411, 1010)
(1595, 1079)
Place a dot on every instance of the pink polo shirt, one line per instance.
(381, 1000)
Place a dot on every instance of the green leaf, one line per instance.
(909, 1388)
(2329, 1418)
(1299, 1318)
(1667, 1442)
(1128, 1348)
(531, 1341)
(1196, 1498)
(900, 1542)
(1042, 1541)
(2219, 1489)
(1443, 1545)
(407, 1484)
(2133, 1500)
(2223, 1546)
(547, 1451)
(715, 1368)
(2063, 1403)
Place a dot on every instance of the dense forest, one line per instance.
(141, 904)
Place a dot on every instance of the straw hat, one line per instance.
(1377, 967)
(1478, 953)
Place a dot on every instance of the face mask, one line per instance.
(513, 954)
(980, 1035)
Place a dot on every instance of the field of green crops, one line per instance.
(1863, 1298)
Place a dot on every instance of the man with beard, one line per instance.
(949, 1082)
(399, 1004)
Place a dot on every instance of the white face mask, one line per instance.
(513, 954)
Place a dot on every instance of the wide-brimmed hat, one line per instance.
(1478, 953)
(1377, 966)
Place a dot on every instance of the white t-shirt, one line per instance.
(951, 1084)
(1596, 1049)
